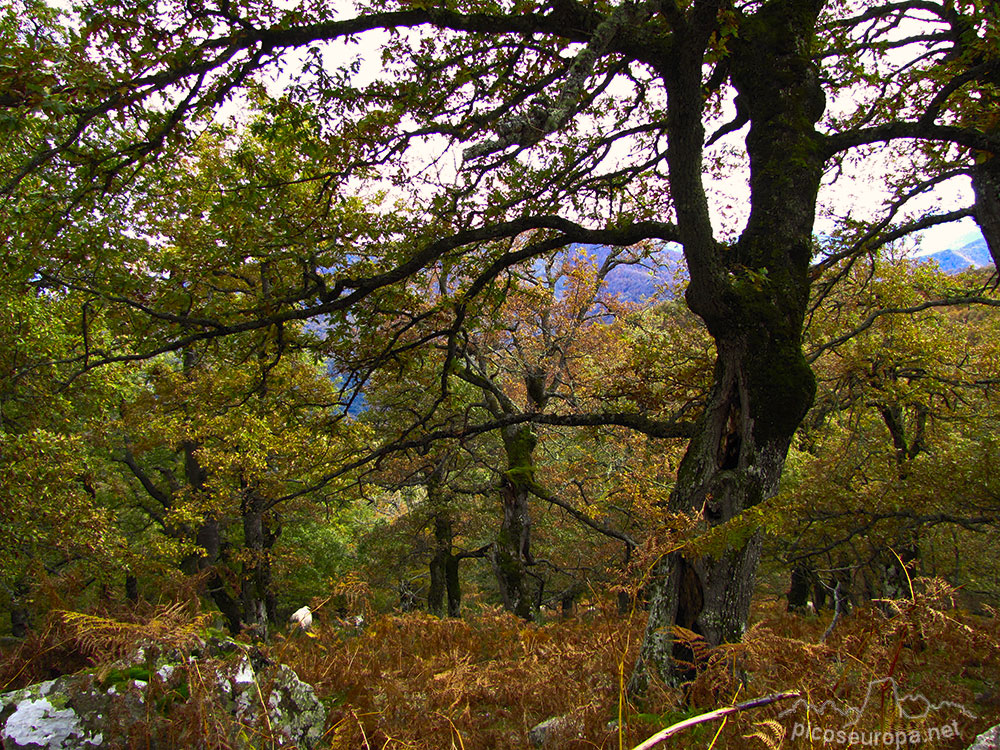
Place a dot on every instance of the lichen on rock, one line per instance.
(266, 704)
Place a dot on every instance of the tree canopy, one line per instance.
(362, 180)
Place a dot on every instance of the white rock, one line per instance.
(302, 618)
(36, 722)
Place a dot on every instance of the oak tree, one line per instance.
(479, 123)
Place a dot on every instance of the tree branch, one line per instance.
(867, 323)
(899, 130)
(657, 738)
(543, 494)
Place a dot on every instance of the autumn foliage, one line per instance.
(415, 681)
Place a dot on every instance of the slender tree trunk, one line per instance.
(511, 552)
(801, 588)
(20, 622)
(131, 588)
(891, 574)
(258, 538)
(842, 587)
(439, 565)
(444, 564)
(209, 537)
(259, 533)
(453, 584)
(20, 613)
(753, 298)
(446, 587)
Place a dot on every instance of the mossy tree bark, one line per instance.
(752, 297)
(511, 553)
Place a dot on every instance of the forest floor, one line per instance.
(928, 676)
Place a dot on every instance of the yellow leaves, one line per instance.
(47, 507)
(170, 626)
(892, 352)
(242, 427)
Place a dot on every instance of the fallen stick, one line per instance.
(657, 738)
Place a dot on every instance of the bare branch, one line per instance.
(660, 736)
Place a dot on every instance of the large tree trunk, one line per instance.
(753, 298)
(986, 184)
(733, 463)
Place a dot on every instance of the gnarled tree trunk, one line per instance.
(752, 297)
(734, 463)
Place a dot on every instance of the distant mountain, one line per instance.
(639, 282)
(972, 254)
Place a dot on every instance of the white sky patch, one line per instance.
(860, 192)
(950, 237)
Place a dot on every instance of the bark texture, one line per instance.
(752, 297)
(259, 535)
(444, 595)
(208, 537)
(511, 553)
(986, 184)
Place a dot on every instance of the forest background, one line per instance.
(286, 324)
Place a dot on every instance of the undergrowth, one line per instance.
(481, 682)
(415, 681)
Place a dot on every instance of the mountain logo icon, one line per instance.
(909, 706)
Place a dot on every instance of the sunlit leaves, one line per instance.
(898, 450)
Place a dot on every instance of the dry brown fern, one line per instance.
(770, 732)
(171, 627)
(356, 593)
